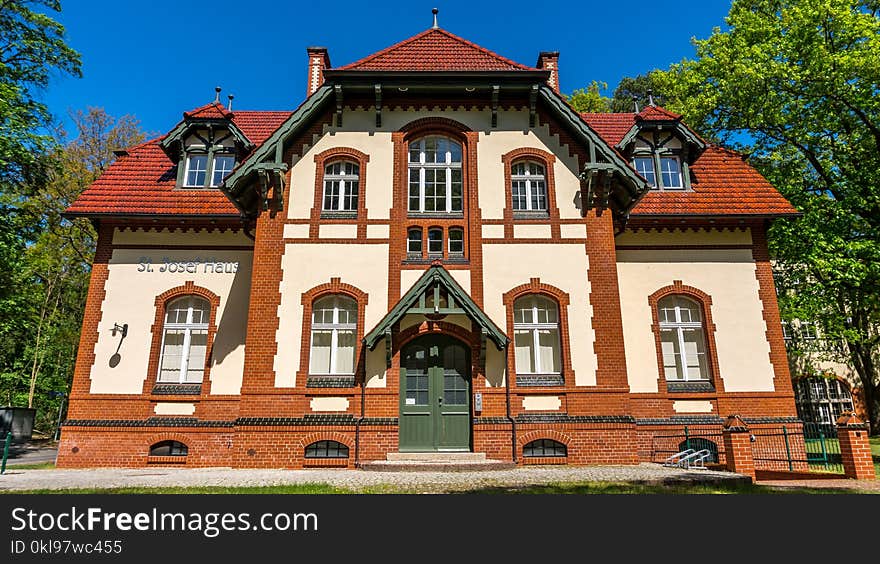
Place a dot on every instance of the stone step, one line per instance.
(435, 466)
(435, 456)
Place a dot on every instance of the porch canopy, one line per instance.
(436, 293)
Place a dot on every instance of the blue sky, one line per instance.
(156, 59)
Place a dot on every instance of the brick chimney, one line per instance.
(318, 61)
(549, 60)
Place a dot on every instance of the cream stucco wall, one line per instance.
(728, 276)
(564, 266)
(541, 403)
(359, 132)
(306, 266)
(131, 287)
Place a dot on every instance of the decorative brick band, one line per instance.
(151, 422)
(711, 420)
(330, 382)
(313, 420)
(539, 380)
(177, 389)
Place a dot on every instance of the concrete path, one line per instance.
(354, 479)
(32, 452)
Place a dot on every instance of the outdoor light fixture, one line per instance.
(119, 328)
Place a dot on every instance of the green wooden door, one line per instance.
(435, 395)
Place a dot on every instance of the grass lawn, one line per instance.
(875, 454)
(575, 488)
(34, 466)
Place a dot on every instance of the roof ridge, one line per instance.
(429, 31)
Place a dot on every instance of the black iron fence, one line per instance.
(808, 447)
(664, 445)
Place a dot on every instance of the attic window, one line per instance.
(198, 173)
(670, 172)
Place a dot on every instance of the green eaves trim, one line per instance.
(678, 127)
(437, 274)
(176, 134)
(268, 150)
(638, 185)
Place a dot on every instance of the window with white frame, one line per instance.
(334, 336)
(536, 336)
(223, 165)
(341, 187)
(435, 182)
(196, 171)
(184, 340)
(682, 339)
(528, 187)
(670, 173)
(456, 242)
(645, 167)
(414, 242)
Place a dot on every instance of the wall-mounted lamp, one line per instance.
(120, 329)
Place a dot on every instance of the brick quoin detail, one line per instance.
(329, 156)
(547, 160)
(157, 329)
(334, 287)
(536, 287)
(855, 450)
(704, 300)
(738, 451)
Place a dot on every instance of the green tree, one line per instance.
(32, 47)
(590, 99)
(796, 84)
(53, 269)
(635, 90)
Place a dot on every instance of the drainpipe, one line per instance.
(509, 417)
(357, 424)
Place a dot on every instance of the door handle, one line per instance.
(440, 400)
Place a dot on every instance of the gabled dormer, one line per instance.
(206, 146)
(662, 148)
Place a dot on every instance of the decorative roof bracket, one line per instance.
(337, 89)
(495, 92)
(533, 104)
(378, 89)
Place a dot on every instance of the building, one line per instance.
(433, 252)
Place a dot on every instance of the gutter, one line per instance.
(357, 424)
(509, 417)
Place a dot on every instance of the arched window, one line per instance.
(435, 184)
(528, 186)
(456, 242)
(414, 242)
(821, 400)
(682, 338)
(185, 340)
(536, 335)
(543, 448)
(700, 443)
(435, 242)
(169, 448)
(341, 180)
(334, 336)
(326, 449)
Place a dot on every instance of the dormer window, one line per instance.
(197, 172)
(645, 167)
(670, 172)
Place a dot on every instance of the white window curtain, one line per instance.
(185, 340)
(334, 336)
(536, 336)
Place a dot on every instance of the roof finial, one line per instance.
(650, 97)
(636, 102)
(436, 25)
(229, 105)
(217, 96)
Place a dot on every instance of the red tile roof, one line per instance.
(656, 113)
(724, 184)
(214, 110)
(435, 50)
(144, 180)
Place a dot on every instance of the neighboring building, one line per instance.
(433, 252)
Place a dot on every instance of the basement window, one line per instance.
(169, 448)
(326, 449)
(545, 448)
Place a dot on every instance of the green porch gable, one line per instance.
(426, 297)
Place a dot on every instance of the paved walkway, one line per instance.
(354, 479)
(32, 452)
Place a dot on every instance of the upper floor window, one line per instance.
(334, 336)
(435, 181)
(456, 242)
(536, 335)
(670, 172)
(198, 171)
(682, 338)
(414, 242)
(185, 340)
(528, 186)
(341, 187)
(645, 167)
(435, 241)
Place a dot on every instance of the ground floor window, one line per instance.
(822, 400)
